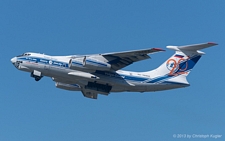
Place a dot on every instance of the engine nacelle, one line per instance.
(76, 64)
(70, 87)
(95, 64)
(88, 63)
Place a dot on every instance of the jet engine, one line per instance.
(88, 63)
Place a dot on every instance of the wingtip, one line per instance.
(159, 49)
(212, 43)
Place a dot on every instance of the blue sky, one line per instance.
(37, 111)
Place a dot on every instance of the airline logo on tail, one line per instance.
(178, 64)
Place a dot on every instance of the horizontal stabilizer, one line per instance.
(195, 47)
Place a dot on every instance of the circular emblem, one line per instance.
(171, 64)
(50, 62)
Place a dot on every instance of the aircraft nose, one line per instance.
(13, 60)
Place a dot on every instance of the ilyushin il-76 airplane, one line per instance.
(101, 74)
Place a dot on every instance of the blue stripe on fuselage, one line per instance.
(191, 63)
(45, 61)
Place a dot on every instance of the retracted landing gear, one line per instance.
(36, 75)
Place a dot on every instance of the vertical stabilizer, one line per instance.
(179, 65)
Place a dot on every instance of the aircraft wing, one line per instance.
(120, 60)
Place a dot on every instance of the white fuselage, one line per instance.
(57, 68)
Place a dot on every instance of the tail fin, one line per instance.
(178, 66)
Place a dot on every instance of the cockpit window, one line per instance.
(24, 54)
(19, 55)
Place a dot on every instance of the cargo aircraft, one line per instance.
(102, 74)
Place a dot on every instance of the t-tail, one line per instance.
(178, 66)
